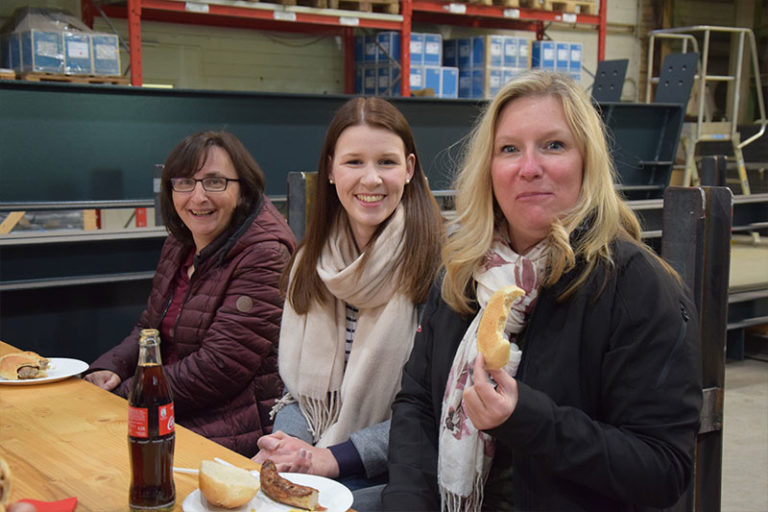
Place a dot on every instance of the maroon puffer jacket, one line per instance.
(224, 378)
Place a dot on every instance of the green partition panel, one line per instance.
(67, 142)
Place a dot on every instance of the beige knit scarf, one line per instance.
(465, 454)
(338, 399)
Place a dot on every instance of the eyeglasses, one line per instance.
(210, 184)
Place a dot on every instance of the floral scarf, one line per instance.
(465, 453)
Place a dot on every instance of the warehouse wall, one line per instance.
(199, 57)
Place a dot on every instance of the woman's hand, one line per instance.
(105, 379)
(294, 455)
(486, 406)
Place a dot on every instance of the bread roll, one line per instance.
(23, 365)
(284, 491)
(490, 334)
(5, 483)
(226, 486)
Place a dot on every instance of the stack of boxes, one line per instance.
(557, 56)
(485, 62)
(43, 42)
(377, 65)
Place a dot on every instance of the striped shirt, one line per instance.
(351, 314)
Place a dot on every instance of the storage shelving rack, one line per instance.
(296, 18)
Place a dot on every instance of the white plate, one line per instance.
(63, 367)
(332, 495)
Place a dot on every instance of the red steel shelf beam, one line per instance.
(289, 20)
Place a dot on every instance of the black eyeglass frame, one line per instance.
(201, 181)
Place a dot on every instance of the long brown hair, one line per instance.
(423, 222)
(188, 157)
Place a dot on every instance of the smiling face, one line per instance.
(207, 214)
(369, 167)
(536, 167)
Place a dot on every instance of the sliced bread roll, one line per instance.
(226, 486)
(490, 333)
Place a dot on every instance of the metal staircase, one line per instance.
(705, 128)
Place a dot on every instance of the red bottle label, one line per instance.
(138, 419)
(165, 418)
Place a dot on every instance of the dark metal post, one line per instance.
(696, 242)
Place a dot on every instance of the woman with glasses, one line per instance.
(370, 253)
(215, 295)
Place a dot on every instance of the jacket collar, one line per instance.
(227, 239)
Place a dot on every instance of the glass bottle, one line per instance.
(151, 430)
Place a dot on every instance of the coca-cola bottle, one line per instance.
(151, 433)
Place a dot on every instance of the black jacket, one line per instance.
(609, 398)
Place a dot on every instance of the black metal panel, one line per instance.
(74, 321)
(78, 259)
(85, 142)
(643, 140)
(609, 80)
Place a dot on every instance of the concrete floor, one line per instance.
(745, 436)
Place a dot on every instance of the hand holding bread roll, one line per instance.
(490, 333)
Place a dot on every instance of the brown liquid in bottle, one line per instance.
(151, 432)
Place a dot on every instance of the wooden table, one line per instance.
(70, 438)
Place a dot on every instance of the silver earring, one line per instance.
(407, 180)
(330, 180)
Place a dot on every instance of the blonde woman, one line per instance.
(598, 406)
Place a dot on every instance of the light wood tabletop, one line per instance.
(70, 438)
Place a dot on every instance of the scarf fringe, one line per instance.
(286, 399)
(320, 414)
(450, 502)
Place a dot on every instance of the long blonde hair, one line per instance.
(599, 209)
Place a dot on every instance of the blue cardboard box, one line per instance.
(486, 81)
(465, 83)
(451, 52)
(433, 49)
(562, 56)
(449, 82)
(464, 53)
(77, 53)
(487, 50)
(543, 55)
(575, 58)
(371, 53)
(370, 79)
(417, 49)
(14, 51)
(359, 49)
(41, 51)
(359, 69)
(388, 80)
(510, 51)
(388, 46)
(432, 78)
(106, 54)
(523, 46)
(417, 78)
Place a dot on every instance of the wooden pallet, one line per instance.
(386, 6)
(571, 6)
(505, 3)
(7, 74)
(75, 79)
(320, 4)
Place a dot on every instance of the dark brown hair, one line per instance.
(423, 222)
(189, 157)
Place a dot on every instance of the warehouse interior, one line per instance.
(79, 153)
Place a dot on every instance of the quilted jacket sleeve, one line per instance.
(240, 343)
